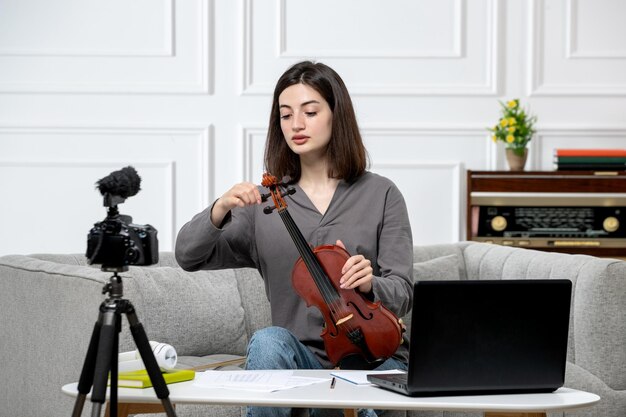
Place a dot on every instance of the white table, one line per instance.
(346, 395)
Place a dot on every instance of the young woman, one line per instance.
(314, 142)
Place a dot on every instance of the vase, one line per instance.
(516, 158)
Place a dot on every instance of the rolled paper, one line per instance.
(164, 354)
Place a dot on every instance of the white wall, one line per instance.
(181, 90)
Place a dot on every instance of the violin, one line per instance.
(357, 333)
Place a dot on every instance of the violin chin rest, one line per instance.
(357, 362)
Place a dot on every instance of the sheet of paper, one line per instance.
(360, 377)
(265, 381)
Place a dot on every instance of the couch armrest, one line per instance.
(600, 321)
(49, 311)
(597, 331)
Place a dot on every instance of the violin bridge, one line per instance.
(344, 319)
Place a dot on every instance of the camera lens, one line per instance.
(132, 254)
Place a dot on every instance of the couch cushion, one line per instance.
(255, 302)
(213, 362)
(199, 313)
(444, 268)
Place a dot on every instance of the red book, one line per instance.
(590, 152)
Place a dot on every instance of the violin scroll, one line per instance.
(271, 182)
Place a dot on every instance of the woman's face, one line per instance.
(306, 120)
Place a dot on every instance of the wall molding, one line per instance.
(493, 64)
(247, 135)
(571, 37)
(457, 192)
(491, 151)
(457, 51)
(203, 61)
(165, 50)
(204, 136)
(168, 167)
(536, 85)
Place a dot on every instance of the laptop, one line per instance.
(485, 337)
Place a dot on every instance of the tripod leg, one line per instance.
(86, 375)
(103, 364)
(114, 367)
(143, 345)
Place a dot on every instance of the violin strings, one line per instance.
(329, 293)
(308, 257)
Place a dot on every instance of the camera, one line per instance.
(116, 242)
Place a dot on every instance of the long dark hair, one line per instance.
(346, 153)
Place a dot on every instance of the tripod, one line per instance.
(102, 354)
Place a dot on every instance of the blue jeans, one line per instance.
(278, 348)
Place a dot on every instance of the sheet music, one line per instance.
(265, 381)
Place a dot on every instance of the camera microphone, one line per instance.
(123, 183)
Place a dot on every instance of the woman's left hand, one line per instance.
(357, 272)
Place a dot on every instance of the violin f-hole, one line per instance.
(361, 313)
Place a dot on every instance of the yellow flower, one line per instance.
(514, 127)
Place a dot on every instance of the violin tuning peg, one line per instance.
(268, 209)
(264, 197)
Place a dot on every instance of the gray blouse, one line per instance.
(369, 216)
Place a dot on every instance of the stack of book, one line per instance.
(590, 159)
(141, 379)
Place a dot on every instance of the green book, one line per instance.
(590, 159)
(141, 379)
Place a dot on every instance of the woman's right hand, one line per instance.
(240, 195)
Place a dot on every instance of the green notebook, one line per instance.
(141, 379)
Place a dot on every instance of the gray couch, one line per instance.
(50, 303)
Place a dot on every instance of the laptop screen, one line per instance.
(489, 335)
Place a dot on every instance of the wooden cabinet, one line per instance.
(562, 211)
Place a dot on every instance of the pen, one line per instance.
(332, 383)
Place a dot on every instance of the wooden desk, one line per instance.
(349, 396)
